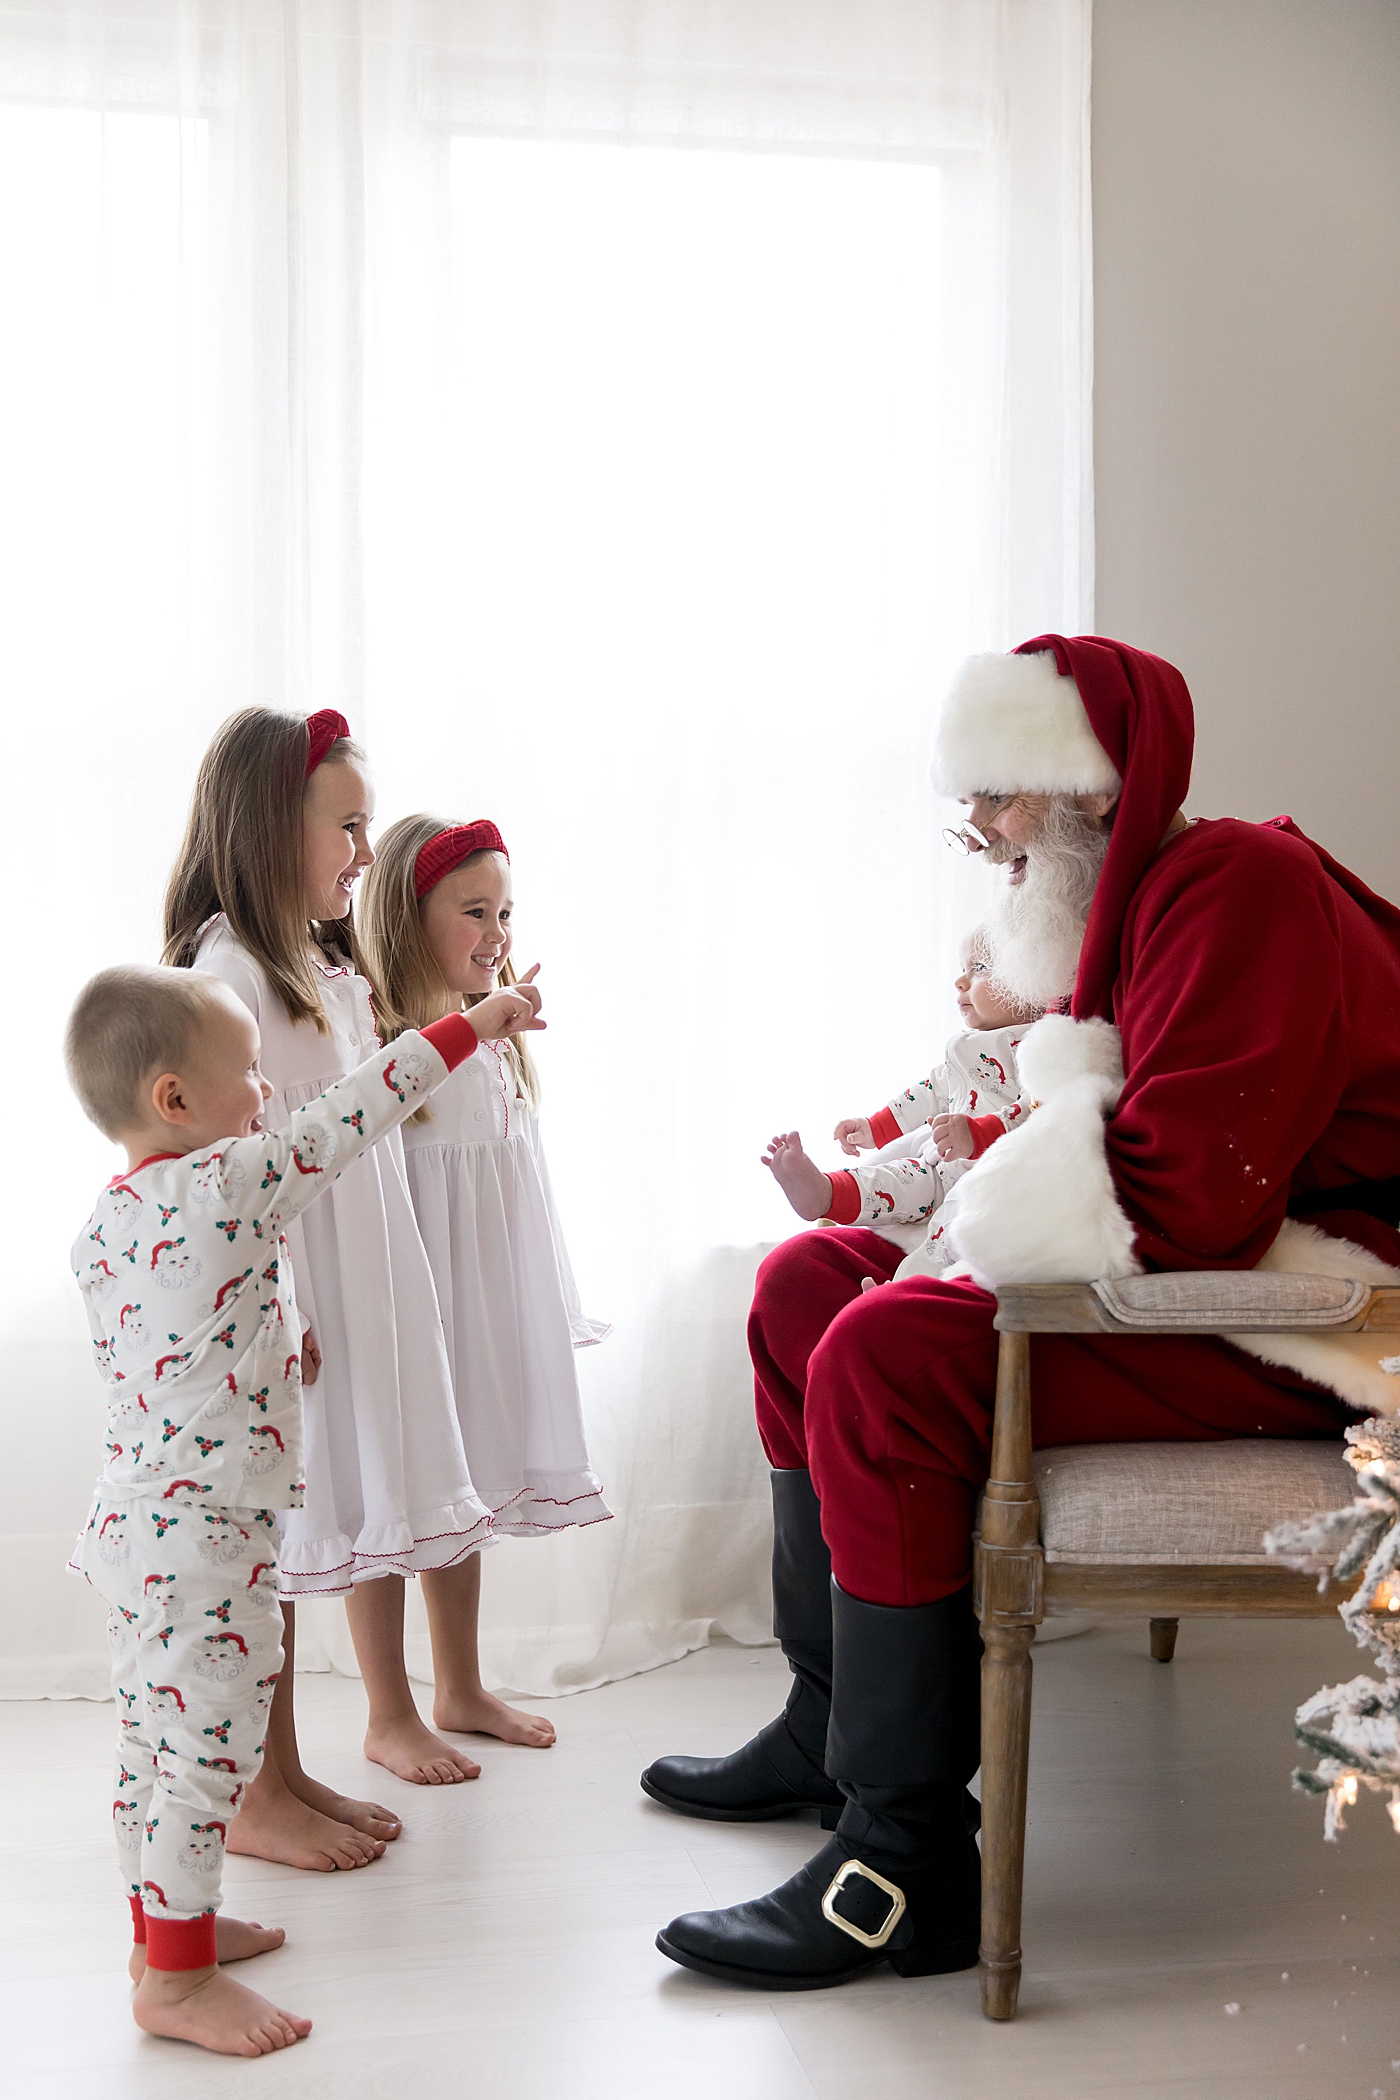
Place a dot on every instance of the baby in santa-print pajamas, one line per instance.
(184, 1272)
(928, 1136)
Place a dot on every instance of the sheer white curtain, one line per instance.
(627, 411)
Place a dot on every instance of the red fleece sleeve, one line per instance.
(985, 1131)
(844, 1208)
(1233, 1013)
(883, 1127)
(453, 1038)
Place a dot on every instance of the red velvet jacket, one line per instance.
(1258, 997)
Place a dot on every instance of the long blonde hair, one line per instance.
(408, 985)
(242, 856)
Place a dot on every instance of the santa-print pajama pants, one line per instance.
(886, 1396)
(196, 1637)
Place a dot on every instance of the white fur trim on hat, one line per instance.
(1014, 723)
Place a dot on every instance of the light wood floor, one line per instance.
(504, 1945)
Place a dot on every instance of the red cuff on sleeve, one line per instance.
(844, 1208)
(883, 1127)
(453, 1038)
(985, 1131)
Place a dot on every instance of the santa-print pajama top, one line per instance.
(902, 1192)
(184, 1271)
(388, 1490)
(510, 1309)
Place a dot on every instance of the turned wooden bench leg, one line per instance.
(1006, 1738)
(1162, 1634)
(1009, 1579)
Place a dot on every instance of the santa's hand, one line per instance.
(854, 1135)
(310, 1359)
(953, 1137)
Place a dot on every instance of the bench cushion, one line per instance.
(1183, 1503)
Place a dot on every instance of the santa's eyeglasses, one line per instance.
(967, 838)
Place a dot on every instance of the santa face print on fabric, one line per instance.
(195, 1633)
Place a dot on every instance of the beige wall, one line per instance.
(1247, 380)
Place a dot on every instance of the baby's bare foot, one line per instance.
(279, 1827)
(801, 1180)
(480, 1713)
(365, 1816)
(208, 2008)
(411, 1751)
(234, 1940)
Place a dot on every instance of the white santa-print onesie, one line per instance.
(185, 1272)
(903, 1193)
(388, 1489)
(510, 1309)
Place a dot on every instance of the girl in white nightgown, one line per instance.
(436, 933)
(261, 897)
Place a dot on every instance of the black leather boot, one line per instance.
(901, 1879)
(782, 1769)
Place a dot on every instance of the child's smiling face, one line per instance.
(336, 811)
(466, 923)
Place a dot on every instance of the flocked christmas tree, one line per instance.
(1354, 1728)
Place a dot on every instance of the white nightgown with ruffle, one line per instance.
(510, 1309)
(388, 1490)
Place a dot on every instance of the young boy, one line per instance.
(929, 1135)
(184, 1271)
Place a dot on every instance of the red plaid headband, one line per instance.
(322, 730)
(448, 849)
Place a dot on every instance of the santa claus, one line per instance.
(1255, 986)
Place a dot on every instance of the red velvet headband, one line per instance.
(322, 730)
(448, 849)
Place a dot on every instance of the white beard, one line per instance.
(1036, 929)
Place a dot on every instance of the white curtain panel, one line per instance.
(627, 412)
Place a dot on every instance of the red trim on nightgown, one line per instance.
(883, 1127)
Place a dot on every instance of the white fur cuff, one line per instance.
(1013, 722)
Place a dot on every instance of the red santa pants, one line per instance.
(887, 1397)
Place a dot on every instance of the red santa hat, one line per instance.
(1077, 716)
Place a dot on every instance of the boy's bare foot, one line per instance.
(234, 1940)
(411, 1751)
(365, 1816)
(210, 2009)
(275, 1825)
(480, 1713)
(801, 1180)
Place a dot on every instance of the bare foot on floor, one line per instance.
(411, 1751)
(206, 2007)
(279, 1827)
(234, 1940)
(365, 1816)
(480, 1713)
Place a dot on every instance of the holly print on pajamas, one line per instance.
(978, 1077)
(196, 1649)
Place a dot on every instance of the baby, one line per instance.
(929, 1135)
(183, 1266)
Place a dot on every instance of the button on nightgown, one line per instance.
(388, 1490)
(509, 1305)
